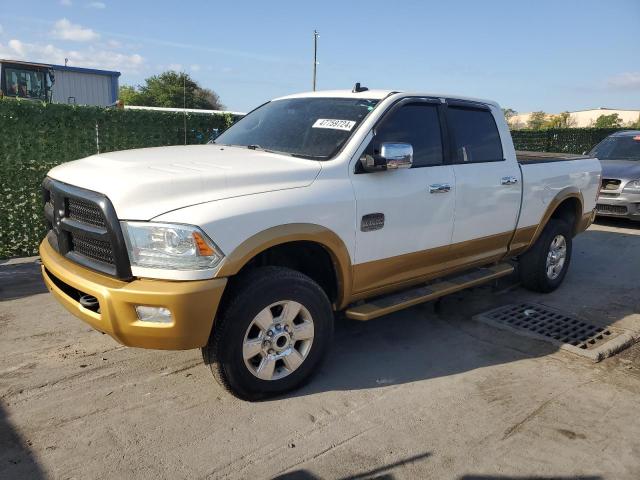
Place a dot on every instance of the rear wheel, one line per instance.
(272, 335)
(544, 266)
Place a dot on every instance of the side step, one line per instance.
(407, 298)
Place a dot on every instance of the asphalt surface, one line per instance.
(423, 393)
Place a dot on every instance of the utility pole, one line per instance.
(184, 104)
(315, 57)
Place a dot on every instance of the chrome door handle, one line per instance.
(509, 180)
(439, 188)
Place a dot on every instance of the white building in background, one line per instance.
(583, 118)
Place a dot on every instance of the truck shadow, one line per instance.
(16, 459)
(436, 340)
(384, 472)
(20, 280)
(421, 343)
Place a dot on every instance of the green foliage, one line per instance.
(608, 121)
(34, 137)
(563, 140)
(171, 89)
(508, 113)
(537, 120)
(635, 125)
(562, 120)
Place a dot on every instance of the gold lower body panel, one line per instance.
(193, 304)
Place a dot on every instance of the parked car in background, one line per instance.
(358, 201)
(619, 155)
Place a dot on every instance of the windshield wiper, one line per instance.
(254, 147)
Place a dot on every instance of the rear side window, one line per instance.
(475, 135)
(417, 124)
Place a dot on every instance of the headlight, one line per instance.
(632, 187)
(169, 246)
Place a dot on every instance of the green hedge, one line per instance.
(565, 140)
(34, 137)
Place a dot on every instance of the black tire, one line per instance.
(533, 263)
(251, 294)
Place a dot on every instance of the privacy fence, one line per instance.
(35, 137)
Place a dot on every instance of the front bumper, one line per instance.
(622, 205)
(193, 304)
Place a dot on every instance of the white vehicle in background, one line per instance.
(362, 201)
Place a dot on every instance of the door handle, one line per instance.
(439, 188)
(509, 180)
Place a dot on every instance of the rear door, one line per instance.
(405, 216)
(487, 185)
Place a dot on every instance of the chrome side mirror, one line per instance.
(392, 156)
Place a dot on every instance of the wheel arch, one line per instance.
(567, 205)
(296, 236)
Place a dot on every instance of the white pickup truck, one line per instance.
(363, 202)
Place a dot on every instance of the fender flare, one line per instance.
(294, 232)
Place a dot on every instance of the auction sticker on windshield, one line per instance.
(345, 125)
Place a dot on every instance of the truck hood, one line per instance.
(145, 183)
(621, 169)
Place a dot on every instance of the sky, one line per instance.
(544, 55)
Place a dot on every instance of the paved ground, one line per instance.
(425, 393)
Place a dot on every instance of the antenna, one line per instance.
(66, 60)
(315, 57)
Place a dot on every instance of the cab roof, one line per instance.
(379, 95)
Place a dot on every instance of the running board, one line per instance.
(424, 293)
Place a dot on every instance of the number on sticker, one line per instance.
(334, 124)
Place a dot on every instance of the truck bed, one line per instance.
(526, 157)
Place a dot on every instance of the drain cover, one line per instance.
(559, 328)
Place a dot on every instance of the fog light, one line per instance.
(154, 314)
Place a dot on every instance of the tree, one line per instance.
(171, 89)
(537, 120)
(509, 113)
(562, 120)
(636, 124)
(608, 121)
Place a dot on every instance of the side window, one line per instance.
(475, 135)
(417, 124)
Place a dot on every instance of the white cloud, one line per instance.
(65, 3)
(98, 5)
(17, 46)
(176, 67)
(66, 30)
(625, 81)
(90, 57)
(195, 68)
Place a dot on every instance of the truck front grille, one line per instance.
(92, 248)
(85, 212)
(83, 227)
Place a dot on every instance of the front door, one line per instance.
(405, 216)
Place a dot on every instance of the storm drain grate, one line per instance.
(551, 324)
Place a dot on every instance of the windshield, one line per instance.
(308, 127)
(618, 148)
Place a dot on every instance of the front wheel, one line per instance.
(272, 335)
(544, 266)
